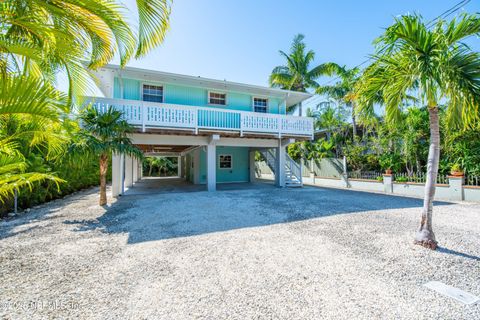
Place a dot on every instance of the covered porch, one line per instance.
(160, 185)
(204, 163)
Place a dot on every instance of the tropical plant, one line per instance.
(29, 115)
(390, 161)
(343, 91)
(435, 63)
(296, 74)
(41, 37)
(102, 134)
(40, 40)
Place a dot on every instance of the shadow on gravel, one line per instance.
(41, 212)
(457, 253)
(151, 217)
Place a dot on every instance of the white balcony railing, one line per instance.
(147, 115)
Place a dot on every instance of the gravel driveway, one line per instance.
(252, 253)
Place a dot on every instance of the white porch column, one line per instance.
(122, 174)
(128, 171)
(135, 170)
(251, 156)
(280, 165)
(212, 163)
(180, 166)
(140, 170)
(116, 175)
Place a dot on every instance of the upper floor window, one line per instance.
(217, 98)
(260, 105)
(152, 93)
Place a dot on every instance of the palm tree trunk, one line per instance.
(103, 179)
(425, 235)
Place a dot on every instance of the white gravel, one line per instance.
(256, 253)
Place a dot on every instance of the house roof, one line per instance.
(292, 97)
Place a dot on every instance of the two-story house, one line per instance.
(213, 126)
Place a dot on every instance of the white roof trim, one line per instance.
(291, 97)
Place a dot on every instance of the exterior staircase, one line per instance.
(293, 170)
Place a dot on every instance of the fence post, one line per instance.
(344, 175)
(388, 183)
(16, 202)
(456, 188)
(312, 170)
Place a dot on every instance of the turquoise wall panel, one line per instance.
(116, 89)
(194, 96)
(185, 95)
(131, 89)
(240, 165)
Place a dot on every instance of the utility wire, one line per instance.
(443, 15)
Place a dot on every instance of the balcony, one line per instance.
(151, 115)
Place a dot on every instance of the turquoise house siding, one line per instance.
(239, 172)
(194, 96)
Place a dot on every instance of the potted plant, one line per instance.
(389, 162)
(456, 170)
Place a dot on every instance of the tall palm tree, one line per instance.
(435, 63)
(296, 74)
(343, 91)
(105, 133)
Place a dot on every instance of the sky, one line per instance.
(239, 40)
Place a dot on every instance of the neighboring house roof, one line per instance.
(292, 97)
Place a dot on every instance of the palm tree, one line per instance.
(43, 37)
(435, 63)
(104, 133)
(297, 75)
(29, 113)
(343, 91)
(39, 39)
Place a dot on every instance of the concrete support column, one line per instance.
(116, 175)
(251, 155)
(280, 154)
(212, 163)
(196, 166)
(128, 171)
(388, 183)
(180, 166)
(122, 174)
(140, 170)
(456, 188)
(135, 170)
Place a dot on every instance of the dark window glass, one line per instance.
(152, 93)
(260, 105)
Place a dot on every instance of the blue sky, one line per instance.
(239, 40)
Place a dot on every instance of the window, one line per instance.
(260, 105)
(225, 161)
(152, 93)
(217, 98)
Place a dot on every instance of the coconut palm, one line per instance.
(296, 74)
(43, 37)
(104, 133)
(343, 91)
(435, 63)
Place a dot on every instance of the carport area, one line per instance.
(160, 185)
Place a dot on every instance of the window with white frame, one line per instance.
(260, 105)
(217, 98)
(225, 161)
(152, 93)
